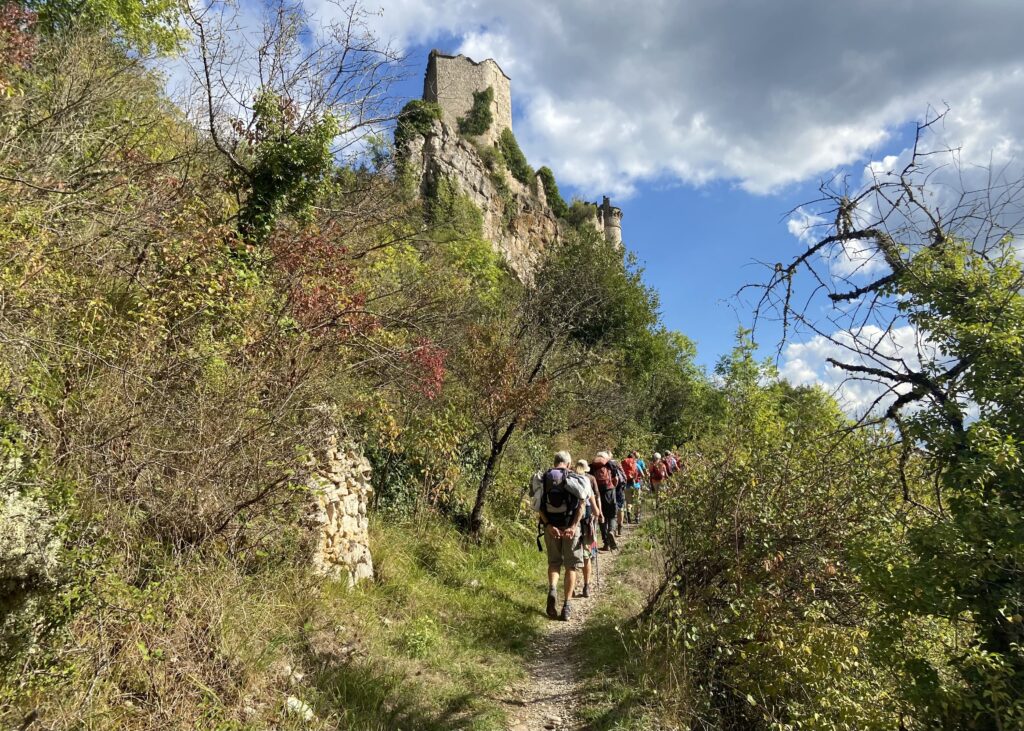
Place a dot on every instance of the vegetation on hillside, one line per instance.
(186, 309)
(415, 120)
(514, 157)
(191, 298)
(826, 573)
(551, 193)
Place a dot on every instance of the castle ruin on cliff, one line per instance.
(450, 82)
(518, 220)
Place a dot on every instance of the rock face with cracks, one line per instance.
(517, 220)
(340, 489)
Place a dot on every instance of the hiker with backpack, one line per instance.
(634, 483)
(560, 501)
(659, 473)
(672, 462)
(606, 475)
(591, 519)
(620, 492)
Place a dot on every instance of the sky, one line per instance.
(712, 124)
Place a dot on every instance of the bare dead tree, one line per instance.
(327, 64)
(875, 232)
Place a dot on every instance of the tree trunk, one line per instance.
(476, 518)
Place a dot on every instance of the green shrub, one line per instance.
(509, 206)
(415, 120)
(580, 213)
(514, 158)
(493, 158)
(554, 197)
(479, 118)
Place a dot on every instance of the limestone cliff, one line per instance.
(517, 220)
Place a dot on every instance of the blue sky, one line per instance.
(707, 123)
(698, 243)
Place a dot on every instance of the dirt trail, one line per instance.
(548, 699)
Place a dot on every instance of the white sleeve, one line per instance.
(536, 490)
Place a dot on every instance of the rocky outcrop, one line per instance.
(340, 489)
(517, 220)
(29, 550)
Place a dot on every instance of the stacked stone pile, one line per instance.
(340, 487)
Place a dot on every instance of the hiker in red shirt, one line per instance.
(633, 475)
(659, 473)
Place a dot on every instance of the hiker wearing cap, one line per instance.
(591, 518)
(559, 498)
(604, 473)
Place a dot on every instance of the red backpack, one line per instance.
(629, 467)
(658, 471)
(604, 475)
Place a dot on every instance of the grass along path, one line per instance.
(552, 695)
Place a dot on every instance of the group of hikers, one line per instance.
(575, 503)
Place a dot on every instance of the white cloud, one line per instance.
(763, 94)
(902, 348)
(851, 258)
(806, 226)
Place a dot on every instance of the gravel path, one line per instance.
(548, 699)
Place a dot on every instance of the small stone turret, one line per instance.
(611, 219)
(450, 82)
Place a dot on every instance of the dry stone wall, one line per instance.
(340, 489)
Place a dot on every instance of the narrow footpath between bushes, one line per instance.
(549, 699)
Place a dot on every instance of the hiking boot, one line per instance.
(612, 543)
(586, 591)
(552, 608)
(566, 612)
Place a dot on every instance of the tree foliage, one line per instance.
(287, 161)
(415, 120)
(955, 279)
(146, 26)
(514, 157)
(760, 612)
(554, 197)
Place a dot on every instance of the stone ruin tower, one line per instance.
(609, 220)
(450, 82)
(517, 219)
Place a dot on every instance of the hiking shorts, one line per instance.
(567, 552)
